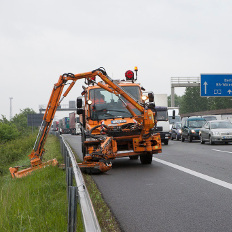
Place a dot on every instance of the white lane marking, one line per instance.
(197, 174)
(222, 151)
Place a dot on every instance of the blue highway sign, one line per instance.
(216, 85)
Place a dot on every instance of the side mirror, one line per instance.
(79, 103)
(151, 96)
(173, 114)
(80, 111)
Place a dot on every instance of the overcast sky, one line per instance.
(40, 40)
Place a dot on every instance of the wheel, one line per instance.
(202, 141)
(182, 138)
(166, 142)
(190, 139)
(146, 158)
(211, 141)
(172, 138)
(177, 138)
(134, 157)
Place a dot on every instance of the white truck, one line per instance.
(163, 126)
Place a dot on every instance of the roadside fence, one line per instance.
(78, 193)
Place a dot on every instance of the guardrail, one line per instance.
(79, 192)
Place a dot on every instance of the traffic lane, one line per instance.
(152, 198)
(159, 198)
(75, 142)
(212, 160)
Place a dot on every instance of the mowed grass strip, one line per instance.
(37, 202)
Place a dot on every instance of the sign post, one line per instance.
(216, 85)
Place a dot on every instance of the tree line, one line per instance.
(191, 101)
(16, 127)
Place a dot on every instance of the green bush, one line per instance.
(8, 131)
(15, 150)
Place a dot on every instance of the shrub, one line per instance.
(8, 131)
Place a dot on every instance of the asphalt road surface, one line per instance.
(188, 187)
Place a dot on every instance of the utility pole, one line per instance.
(11, 108)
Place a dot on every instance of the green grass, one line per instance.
(37, 202)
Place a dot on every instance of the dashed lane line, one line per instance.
(197, 174)
(222, 151)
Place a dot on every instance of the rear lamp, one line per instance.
(129, 75)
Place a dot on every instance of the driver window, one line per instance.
(207, 125)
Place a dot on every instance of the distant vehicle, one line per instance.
(190, 128)
(74, 124)
(163, 126)
(78, 126)
(55, 126)
(216, 131)
(64, 125)
(176, 131)
(174, 120)
(209, 117)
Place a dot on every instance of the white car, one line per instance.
(216, 131)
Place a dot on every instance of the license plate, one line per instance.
(227, 137)
(117, 121)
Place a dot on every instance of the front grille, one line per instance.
(226, 133)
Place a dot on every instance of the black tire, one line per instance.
(146, 158)
(202, 141)
(182, 139)
(210, 141)
(190, 139)
(166, 142)
(177, 137)
(134, 157)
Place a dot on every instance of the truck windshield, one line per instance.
(106, 105)
(162, 115)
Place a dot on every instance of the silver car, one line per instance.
(216, 131)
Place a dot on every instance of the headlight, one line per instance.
(216, 133)
(193, 131)
(89, 102)
(179, 131)
(144, 98)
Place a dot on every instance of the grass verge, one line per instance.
(37, 202)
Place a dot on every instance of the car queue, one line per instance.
(206, 129)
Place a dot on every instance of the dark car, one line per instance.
(176, 131)
(190, 128)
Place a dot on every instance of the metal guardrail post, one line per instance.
(72, 208)
(69, 176)
(68, 161)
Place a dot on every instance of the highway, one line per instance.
(187, 188)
